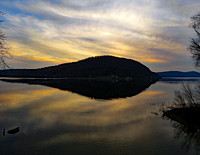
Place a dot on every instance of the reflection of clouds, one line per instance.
(51, 106)
(68, 31)
(38, 109)
(51, 118)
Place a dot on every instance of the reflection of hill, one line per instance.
(93, 88)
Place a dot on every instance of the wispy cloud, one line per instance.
(153, 32)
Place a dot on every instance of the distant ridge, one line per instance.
(178, 74)
(93, 67)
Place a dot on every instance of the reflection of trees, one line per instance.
(185, 112)
(190, 136)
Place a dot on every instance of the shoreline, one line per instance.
(187, 116)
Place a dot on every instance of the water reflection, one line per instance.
(185, 112)
(173, 80)
(97, 89)
(189, 136)
(52, 121)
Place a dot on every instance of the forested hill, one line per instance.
(93, 67)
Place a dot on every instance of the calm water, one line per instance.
(54, 121)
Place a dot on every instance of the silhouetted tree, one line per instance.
(3, 48)
(188, 96)
(195, 41)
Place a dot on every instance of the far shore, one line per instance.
(106, 78)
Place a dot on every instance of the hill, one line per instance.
(93, 67)
(178, 74)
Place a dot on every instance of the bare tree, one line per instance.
(195, 41)
(188, 96)
(3, 47)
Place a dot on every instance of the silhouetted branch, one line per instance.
(184, 111)
(195, 42)
(187, 97)
(3, 47)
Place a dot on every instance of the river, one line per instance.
(54, 121)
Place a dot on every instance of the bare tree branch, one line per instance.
(195, 42)
(3, 47)
(188, 96)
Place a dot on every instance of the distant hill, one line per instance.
(93, 67)
(178, 74)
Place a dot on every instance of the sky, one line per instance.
(50, 32)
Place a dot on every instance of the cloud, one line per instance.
(30, 62)
(75, 29)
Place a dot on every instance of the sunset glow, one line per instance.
(42, 33)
